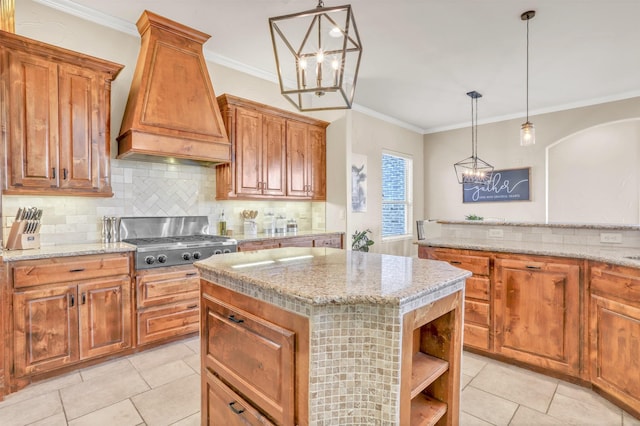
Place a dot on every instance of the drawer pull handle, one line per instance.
(234, 409)
(234, 319)
(533, 267)
(84, 298)
(455, 262)
(72, 300)
(76, 270)
(191, 274)
(192, 306)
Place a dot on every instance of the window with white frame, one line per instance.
(397, 196)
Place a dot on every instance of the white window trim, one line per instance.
(409, 194)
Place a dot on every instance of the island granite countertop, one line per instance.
(320, 276)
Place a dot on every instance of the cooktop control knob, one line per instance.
(149, 260)
(186, 256)
(217, 251)
(196, 255)
(162, 258)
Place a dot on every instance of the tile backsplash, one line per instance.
(151, 189)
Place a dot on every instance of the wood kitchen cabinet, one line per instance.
(255, 361)
(57, 109)
(267, 144)
(332, 240)
(167, 303)
(67, 310)
(537, 312)
(614, 333)
(477, 308)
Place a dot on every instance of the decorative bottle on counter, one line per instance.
(222, 225)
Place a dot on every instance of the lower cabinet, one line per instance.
(62, 324)
(614, 330)
(255, 361)
(167, 303)
(333, 240)
(537, 312)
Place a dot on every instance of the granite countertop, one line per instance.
(262, 236)
(609, 254)
(496, 222)
(320, 276)
(65, 250)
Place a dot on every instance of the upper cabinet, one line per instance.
(55, 112)
(276, 154)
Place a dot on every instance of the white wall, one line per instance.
(498, 144)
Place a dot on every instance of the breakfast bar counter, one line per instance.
(315, 336)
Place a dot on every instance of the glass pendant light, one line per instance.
(528, 130)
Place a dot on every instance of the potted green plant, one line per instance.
(361, 240)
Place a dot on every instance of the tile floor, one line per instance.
(162, 387)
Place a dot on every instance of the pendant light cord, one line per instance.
(528, 69)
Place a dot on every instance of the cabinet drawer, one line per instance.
(479, 265)
(476, 336)
(296, 242)
(258, 245)
(253, 355)
(476, 312)
(172, 285)
(335, 242)
(68, 269)
(617, 282)
(227, 408)
(477, 288)
(166, 322)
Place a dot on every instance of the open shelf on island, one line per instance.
(426, 411)
(426, 369)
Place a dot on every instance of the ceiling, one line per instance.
(420, 57)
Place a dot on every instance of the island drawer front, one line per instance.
(167, 286)
(479, 265)
(69, 269)
(477, 288)
(476, 336)
(165, 322)
(253, 355)
(476, 312)
(334, 242)
(258, 245)
(227, 408)
(296, 242)
(617, 282)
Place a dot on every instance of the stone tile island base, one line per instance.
(311, 336)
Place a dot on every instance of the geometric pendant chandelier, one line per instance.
(317, 55)
(473, 169)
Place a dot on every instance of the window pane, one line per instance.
(393, 219)
(393, 178)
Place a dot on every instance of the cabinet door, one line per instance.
(317, 165)
(297, 160)
(32, 122)
(105, 316)
(79, 128)
(273, 156)
(248, 140)
(615, 345)
(536, 310)
(45, 329)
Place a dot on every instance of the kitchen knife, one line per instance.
(19, 214)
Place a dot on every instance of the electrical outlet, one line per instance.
(496, 233)
(609, 237)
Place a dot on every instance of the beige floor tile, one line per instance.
(193, 344)
(467, 419)
(122, 413)
(57, 419)
(193, 361)
(585, 395)
(166, 373)
(160, 356)
(41, 388)
(31, 410)
(517, 385)
(525, 416)
(472, 363)
(193, 420)
(486, 406)
(629, 420)
(171, 402)
(464, 380)
(117, 366)
(584, 412)
(101, 392)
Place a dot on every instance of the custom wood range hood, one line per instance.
(172, 113)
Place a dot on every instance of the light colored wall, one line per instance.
(498, 144)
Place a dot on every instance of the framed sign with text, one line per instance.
(505, 185)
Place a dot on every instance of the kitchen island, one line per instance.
(314, 336)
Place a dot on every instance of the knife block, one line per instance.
(18, 240)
